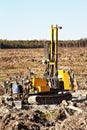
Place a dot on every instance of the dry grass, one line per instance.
(15, 61)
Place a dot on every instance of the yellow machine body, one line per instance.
(40, 85)
(63, 76)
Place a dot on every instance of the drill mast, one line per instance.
(52, 53)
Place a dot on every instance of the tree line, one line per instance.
(11, 44)
(73, 43)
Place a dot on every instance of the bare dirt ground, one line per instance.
(15, 62)
(69, 115)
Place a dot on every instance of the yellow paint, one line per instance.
(43, 88)
(40, 84)
(64, 76)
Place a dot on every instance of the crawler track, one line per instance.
(49, 99)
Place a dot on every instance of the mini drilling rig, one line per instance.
(55, 85)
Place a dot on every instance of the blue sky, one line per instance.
(31, 19)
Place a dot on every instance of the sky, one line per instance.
(31, 19)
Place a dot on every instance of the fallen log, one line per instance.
(75, 108)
